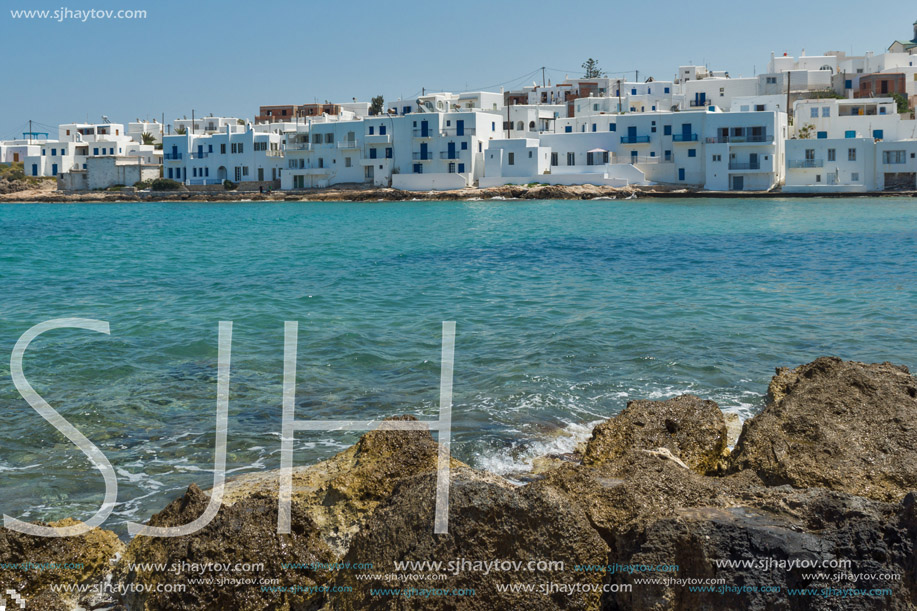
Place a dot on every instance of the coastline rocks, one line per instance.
(692, 429)
(240, 543)
(489, 520)
(339, 493)
(836, 424)
(83, 560)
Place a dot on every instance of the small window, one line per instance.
(818, 178)
(371, 130)
(568, 129)
(666, 130)
(826, 111)
(512, 159)
(692, 152)
(878, 134)
(813, 112)
(461, 168)
(855, 176)
(612, 127)
(822, 135)
(831, 154)
(346, 162)
(530, 154)
(464, 146)
(666, 90)
(850, 134)
(851, 154)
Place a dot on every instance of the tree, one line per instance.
(377, 105)
(181, 130)
(147, 138)
(592, 69)
(902, 102)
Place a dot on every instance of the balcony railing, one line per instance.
(348, 144)
(753, 139)
(201, 155)
(377, 138)
(744, 165)
(453, 131)
(172, 156)
(205, 181)
(298, 146)
(640, 159)
(699, 103)
(805, 163)
(453, 156)
(684, 138)
(274, 153)
(423, 156)
(424, 133)
(634, 139)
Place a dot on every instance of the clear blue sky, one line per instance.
(228, 57)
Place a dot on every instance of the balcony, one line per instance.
(172, 156)
(274, 153)
(744, 165)
(453, 131)
(298, 146)
(198, 155)
(454, 156)
(377, 138)
(348, 144)
(699, 103)
(423, 156)
(750, 139)
(424, 133)
(684, 138)
(805, 163)
(635, 139)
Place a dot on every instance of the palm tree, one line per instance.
(147, 138)
(181, 130)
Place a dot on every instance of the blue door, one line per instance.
(753, 162)
(424, 129)
(452, 151)
(423, 149)
(174, 151)
(686, 132)
(200, 150)
(632, 133)
(53, 169)
(700, 98)
(34, 169)
(460, 127)
(681, 173)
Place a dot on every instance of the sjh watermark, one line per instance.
(443, 426)
(67, 14)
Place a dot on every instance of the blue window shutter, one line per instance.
(822, 135)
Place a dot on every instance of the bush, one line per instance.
(165, 184)
(116, 187)
(143, 184)
(229, 185)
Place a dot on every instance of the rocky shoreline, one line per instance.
(826, 474)
(47, 193)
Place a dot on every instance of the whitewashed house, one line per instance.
(77, 142)
(239, 157)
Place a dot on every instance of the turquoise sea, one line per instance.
(564, 311)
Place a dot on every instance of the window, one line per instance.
(666, 130)
(894, 157)
(831, 154)
(666, 90)
(821, 135)
(346, 162)
(667, 155)
(452, 168)
(759, 107)
(418, 168)
(594, 127)
(826, 111)
(461, 168)
(717, 158)
(530, 154)
(850, 134)
(222, 149)
(382, 131)
(95, 151)
(245, 170)
(233, 148)
(855, 176)
(818, 178)
(851, 154)
(571, 158)
(810, 154)
(595, 107)
(464, 146)
(878, 134)
(388, 152)
(553, 159)
(771, 80)
(848, 84)
(813, 112)
(511, 159)
(209, 148)
(372, 153)
(54, 152)
(329, 139)
(881, 110)
(633, 92)
(568, 129)
(692, 152)
(612, 127)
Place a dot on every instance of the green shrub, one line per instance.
(229, 185)
(165, 184)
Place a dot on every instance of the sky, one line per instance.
(228, 57)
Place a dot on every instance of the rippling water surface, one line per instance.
(564, 310)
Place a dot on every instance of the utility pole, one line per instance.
(30, 131)
(636, 76)
(192, 122)
(789, 111)
(542, 77)
(620, 107)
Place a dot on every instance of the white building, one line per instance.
(109, 171)
(77, 142)
(239, 157)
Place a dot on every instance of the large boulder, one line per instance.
(691, 428)
(222, 565)
(30, 565)
(836, 424)
(489, 521)
(339, 493)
